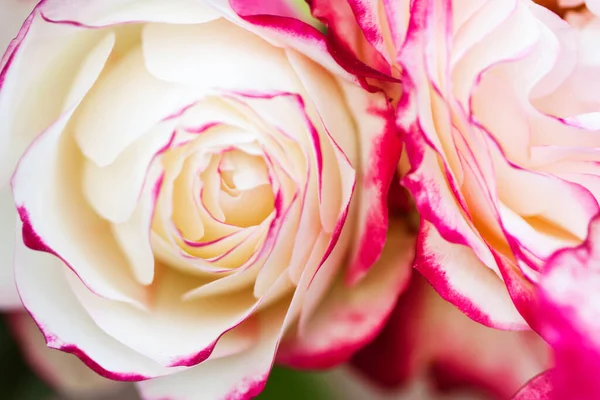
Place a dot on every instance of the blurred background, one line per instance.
(18, 382)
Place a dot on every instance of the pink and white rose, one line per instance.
(499, 111)
(199, 190)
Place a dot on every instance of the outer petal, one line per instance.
(435, 181)
(461, 278)
(238, 377)
(425, 334)
(350, 317)
(380, 148)
(47, 170)
(569, 315)
(66, 325)
(292, 33)
(538, 388)
(354, 27)
(64, 372)
(109, 12)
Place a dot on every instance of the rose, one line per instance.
(428, 337)
(498, 138)
(204, 187)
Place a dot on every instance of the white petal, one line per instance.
(68, 54)
(133, 235)
(217, 54)
(47, 296)
(110, 12)
(63, 371)
(125, 103)
(113, 191)
(172, 332)
(324, 93)
(63, 223)
(240, 376)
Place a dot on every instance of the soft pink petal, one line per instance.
(538, 388)
(570, 314)
(461, 278)
(425, 334)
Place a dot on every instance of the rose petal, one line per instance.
(133, 235)
(177, 53)
(238, 377)
(351, 316)
(291, 33)
(173, 333)
(65, 323)
(114, 190)
(24, 111)
(380, 149)
(48, 170)
(125, 104)
(461, 278)
(14, 12)
(111, 12)
(538, 388)
(568, 316)
(63, 371)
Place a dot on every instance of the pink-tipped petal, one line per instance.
(43, 287)
(461, 278)
(239, 377)
(538, 388)
(63, 371)
(353, 27)
(569, 314)
(380, 148)
(351, 316)
(14, 12)
(296, 34)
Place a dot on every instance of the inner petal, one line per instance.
(246, 196)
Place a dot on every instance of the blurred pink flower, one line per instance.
(427, 336)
